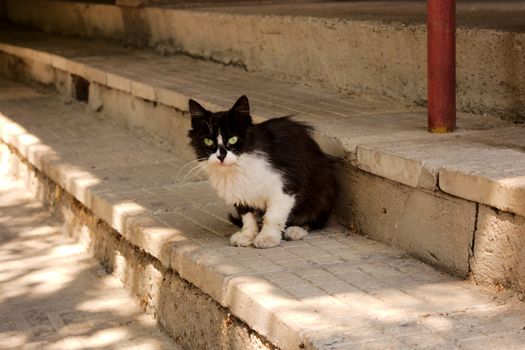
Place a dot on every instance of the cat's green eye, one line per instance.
(208, 142)
(233, 140)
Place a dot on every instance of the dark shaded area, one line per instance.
(3, 12)
(81, 86)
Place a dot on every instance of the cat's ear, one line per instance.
(196, 110)
(242, 106)
(197, 113)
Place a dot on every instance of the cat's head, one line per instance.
(220, 138)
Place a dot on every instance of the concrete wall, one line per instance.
(361, 57)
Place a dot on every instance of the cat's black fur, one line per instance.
(308, 173)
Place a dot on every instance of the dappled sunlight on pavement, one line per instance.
(53, 295)
(333, 289)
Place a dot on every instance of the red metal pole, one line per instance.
(441, 31)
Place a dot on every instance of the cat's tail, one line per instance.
(235, 220)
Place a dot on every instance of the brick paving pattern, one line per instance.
(337, 289)
(53, 295)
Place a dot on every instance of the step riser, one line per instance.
(158, 120)
(387, 211)
(191, 317)
(434, 227)
(490, 68)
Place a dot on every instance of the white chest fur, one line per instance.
(251, 181)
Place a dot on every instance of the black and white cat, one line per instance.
(273, 170)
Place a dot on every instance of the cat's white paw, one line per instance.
(267, 238)
(242, 239)
(294, 233)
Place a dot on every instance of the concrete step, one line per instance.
(455, 201)
(373, 48)
(118, 192)
(54, 295)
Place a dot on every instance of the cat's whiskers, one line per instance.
(185, 166)
(192, 170)
(193, 176)
(193, 173)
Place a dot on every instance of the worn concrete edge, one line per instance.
(410, 172)
(130, 263)
(506, 194)
(248, 297)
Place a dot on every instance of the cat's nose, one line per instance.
(222, 154)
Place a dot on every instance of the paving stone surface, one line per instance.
(53, 295)
(333, 290)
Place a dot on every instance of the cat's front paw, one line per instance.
(267, 238)
(242, 239)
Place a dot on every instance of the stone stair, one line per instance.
(454, 201)
(118, 192)
(434, 196)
